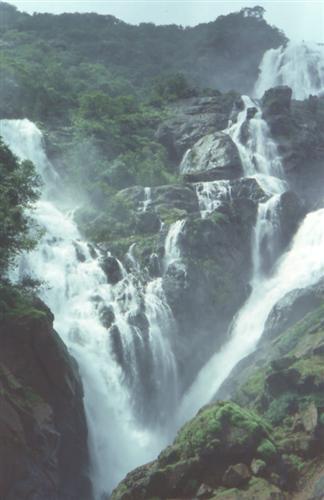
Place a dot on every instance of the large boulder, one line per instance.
(276, 101)
(292, 308)
(298, 129)
(214, 449)
(190, 119)
(291, 211)
(43, 433)
(174, 197)
(285, 216)
(248, 188)
(213, 157)
(161, 198)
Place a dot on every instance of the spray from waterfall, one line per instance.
(298, 65)
(121, 334)
(299, 267)
(260, 160)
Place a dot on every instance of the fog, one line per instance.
(301, 20)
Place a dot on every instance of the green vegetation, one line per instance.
(18, 302)
(18, 189)
(104, 86)
(211, 426)
(266, 450)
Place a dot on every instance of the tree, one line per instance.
(256, 11)
(19, 188)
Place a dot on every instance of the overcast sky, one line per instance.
(300, 19)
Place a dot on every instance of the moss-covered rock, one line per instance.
(222, 435)
(43, 434)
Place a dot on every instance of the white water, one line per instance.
(300, 267)
(299, 65)
(111, 362)
(172, 250)
(260, 160)
(129, 373)
(211, 195)
(147, 198)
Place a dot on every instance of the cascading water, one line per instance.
(298, 65)
(147, 200)
(260, 160)
(300, 267)
(172, 251)
(211, 194)
(120, 334)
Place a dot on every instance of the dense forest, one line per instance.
(105, 93)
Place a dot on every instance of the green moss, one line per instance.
(144, 245)
(254, 385)
(281, 407)
(228, 493)
(267, 450)
(211, 424)
(311, 366)
(118, 493)
(170, 215)
(17, 303)
(218, 217)
(295, 339)
(296, 462)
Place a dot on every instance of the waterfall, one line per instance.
(211, 194)
(299, 267)
(121, 334)
(147, 198)
(172, 251)
(266, 230)
(298, 65)
(260, 160)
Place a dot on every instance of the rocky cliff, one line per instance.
(43, 433)
(268, 442)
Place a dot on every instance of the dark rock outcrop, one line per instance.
(204, 296)
(292, 308)
(112, 269)
(213, 157)
(43, 434)
(191, 119)
(276, 107)
(298, 129)
(212, 451)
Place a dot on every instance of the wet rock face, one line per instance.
(112, 269)
(291, 212)
(298, 129)
(214, 450)
(292, 308)
(174, 197)
(43, 434)
(276, 101)
(203, 296)
(214, 157)
(191, 119)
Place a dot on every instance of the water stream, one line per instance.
(298, 65)
(127, 366)
(122, 334)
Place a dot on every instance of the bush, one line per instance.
(18, 190)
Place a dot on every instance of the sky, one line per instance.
(300, 19)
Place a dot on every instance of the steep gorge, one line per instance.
(148, 313)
